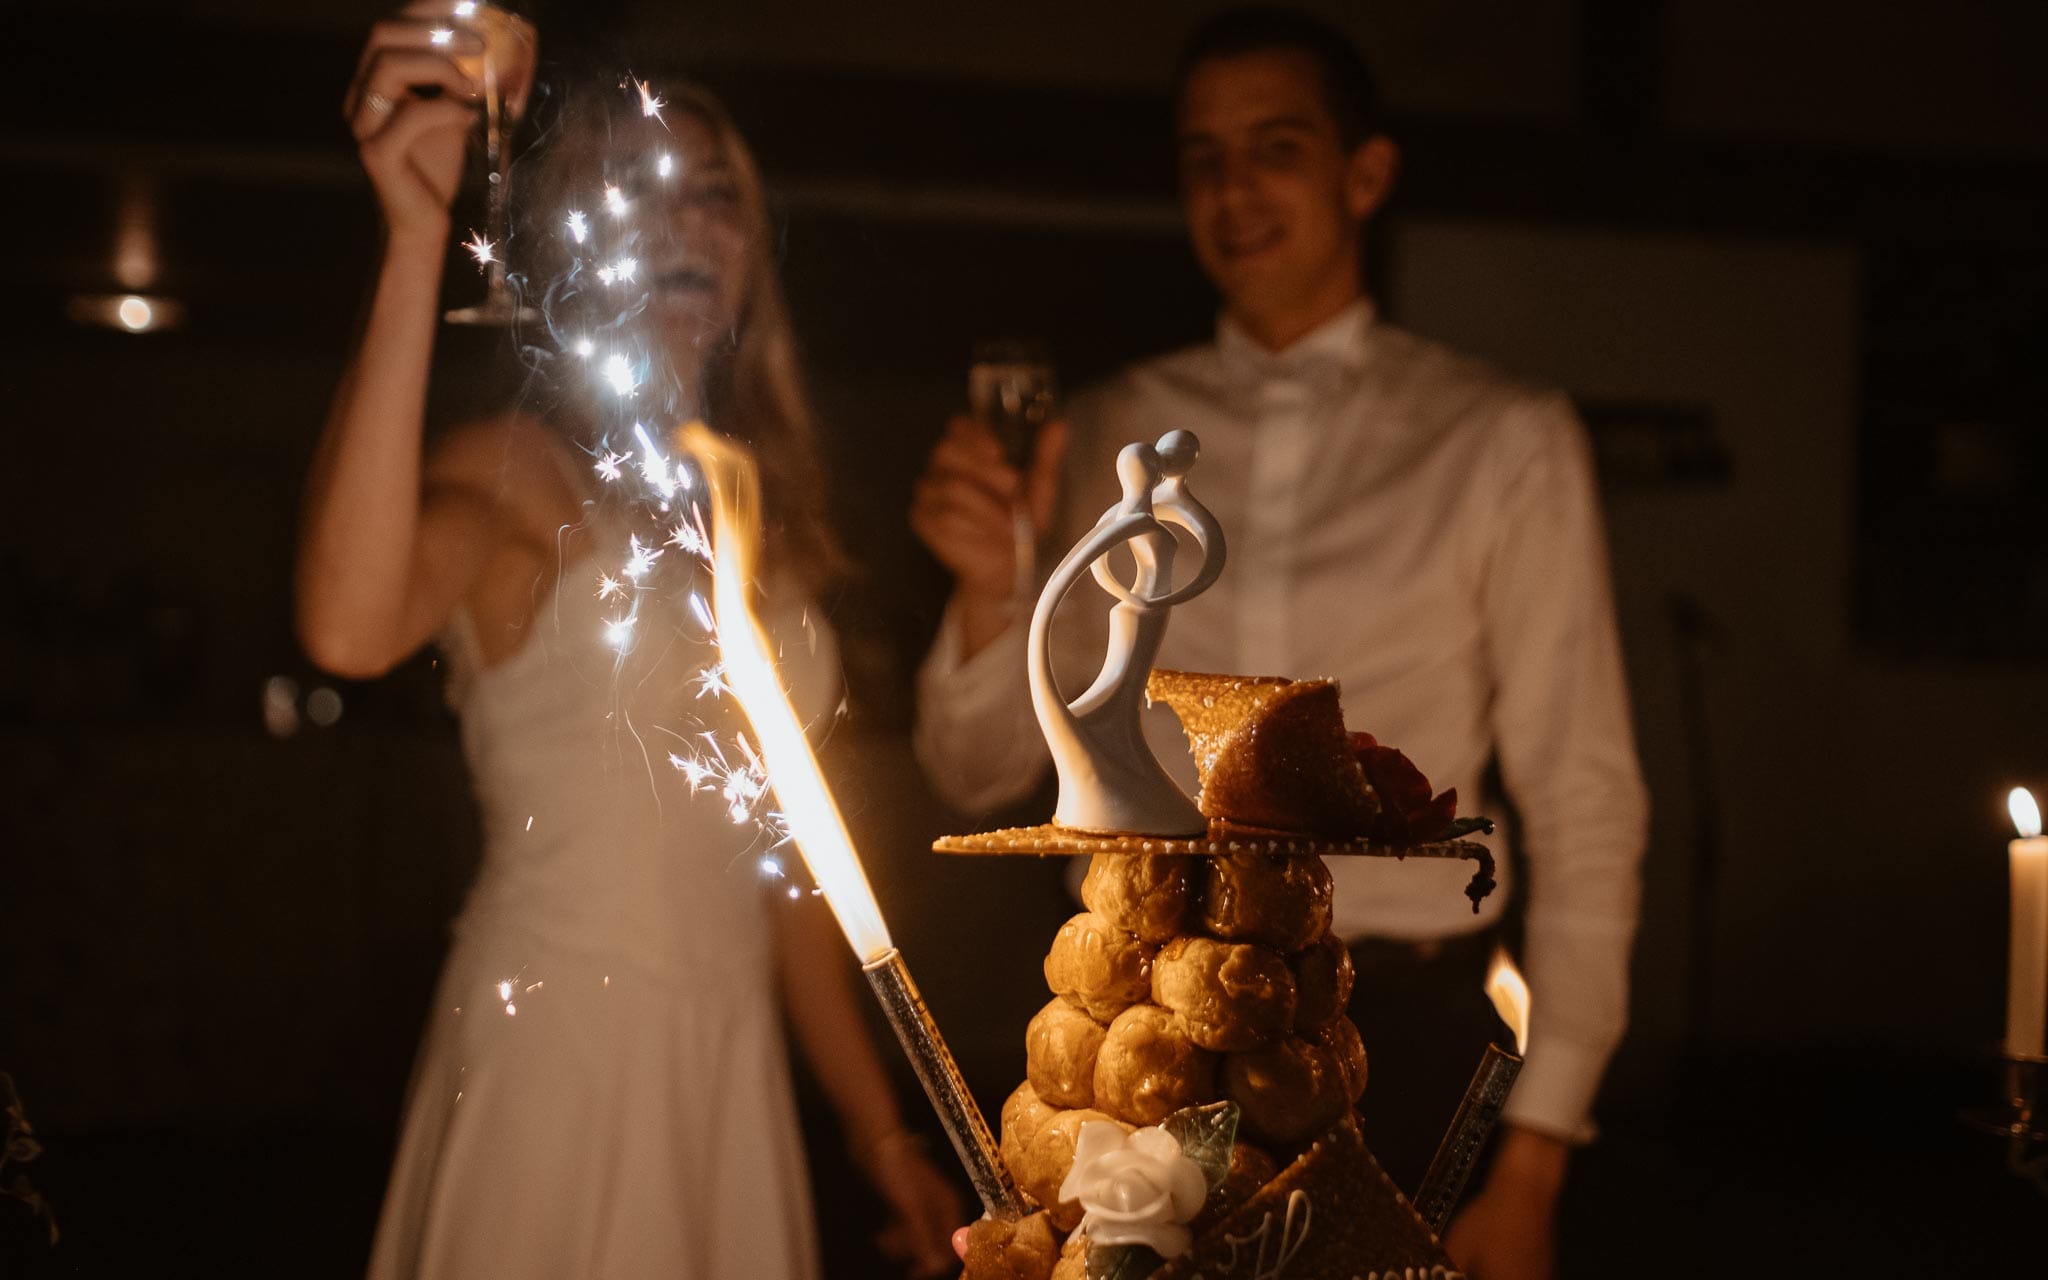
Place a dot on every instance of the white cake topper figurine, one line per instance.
(1109, 779)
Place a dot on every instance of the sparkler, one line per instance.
(815, 824)
(479, 248)
(1484, 1099)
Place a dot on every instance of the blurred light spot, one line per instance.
(323, 707)
(281, 706)
(126, 312)
(440, 36)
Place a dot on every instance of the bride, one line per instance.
(602, 1088)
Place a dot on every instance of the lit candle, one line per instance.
(2026, 980)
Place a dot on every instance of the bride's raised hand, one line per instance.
(411, 108)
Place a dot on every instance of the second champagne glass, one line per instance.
(1013, 387)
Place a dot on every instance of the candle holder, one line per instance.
(943, 1084)
(2021, 1119)
(1477, 1113)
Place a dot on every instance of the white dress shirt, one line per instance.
(1404, 519)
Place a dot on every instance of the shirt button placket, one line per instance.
(1279, 454)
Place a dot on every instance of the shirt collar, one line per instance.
(1323, 357)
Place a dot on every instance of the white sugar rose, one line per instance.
(1137, 1188)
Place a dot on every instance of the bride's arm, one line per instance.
(824, 1013)
(382, 559)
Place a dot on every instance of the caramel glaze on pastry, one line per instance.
(1341, 1041)
(1250, 1168)
(1282, 903)
(1288, 1092)
(1023, 1249)
(1322, 982)
(1098, 966)
(1231, 995)
(1146, 895)
(1060, 1047)
(1047, 1159)
(1149, 1067)
(1271, 752)
(1024, 1114)
(1073, 1263)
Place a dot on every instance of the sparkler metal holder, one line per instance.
(1477, 1113)
(2022, 1119)
(943, 1084)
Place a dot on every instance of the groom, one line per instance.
(1401, 517)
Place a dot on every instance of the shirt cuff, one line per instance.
(985, 683)
(1554, 1094)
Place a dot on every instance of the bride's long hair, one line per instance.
(751, 386)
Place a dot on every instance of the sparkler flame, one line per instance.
(615, 200)
(806, 802)
(479, 248)
(579, 225)
(2026, 815)
(1510, 996)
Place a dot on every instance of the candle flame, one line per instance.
(749, 671)
(1510, 996)
(2026, 815)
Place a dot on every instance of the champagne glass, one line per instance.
(503, 64)
(1013, 387)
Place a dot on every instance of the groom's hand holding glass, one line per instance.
(963, 510)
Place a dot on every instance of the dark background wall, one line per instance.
(1786, 256)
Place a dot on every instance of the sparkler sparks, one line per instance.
(740, 784)
(608, 465)
(711, 682)
(618, 633)
(689, 537)
(666, 165)
(440, 37)
(615, 200)
(579, 225)
(481, 249)
(585, 347)
(702, 612)
(608, 587)
(640, 559)
(619, 272)
(650, 106)
(619, 372)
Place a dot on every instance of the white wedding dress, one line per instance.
(603, 1089)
